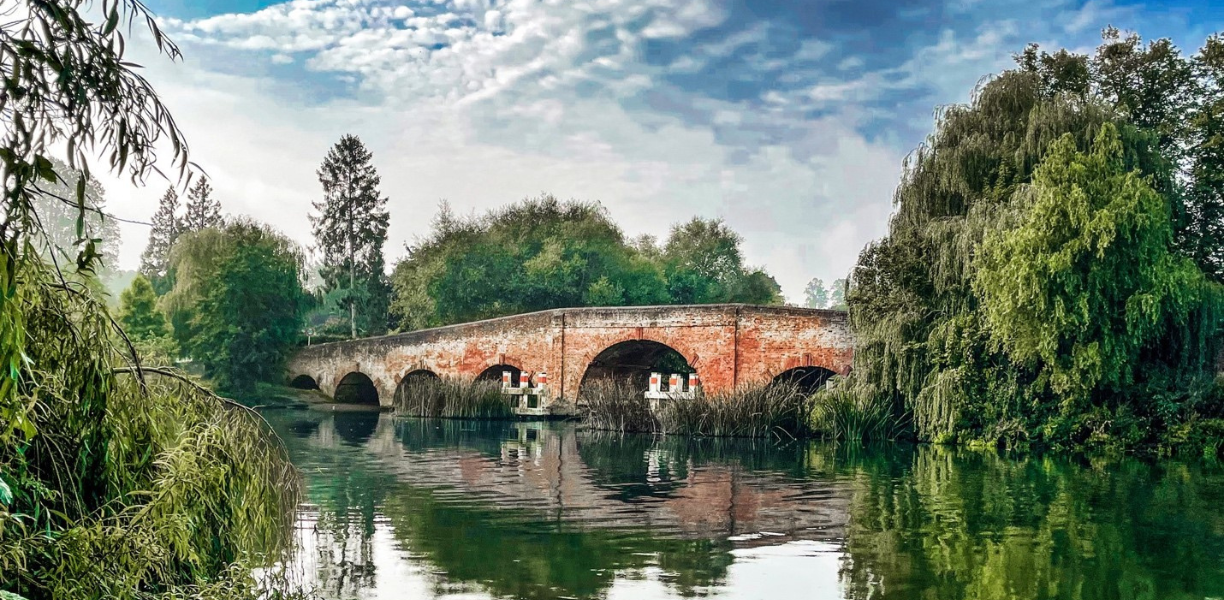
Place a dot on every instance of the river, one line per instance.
(409, 508)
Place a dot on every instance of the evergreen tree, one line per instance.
(154, 262)
(350, 230)
(202, 210)
(815, 294)
(138, 311)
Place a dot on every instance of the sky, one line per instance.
(788, 119)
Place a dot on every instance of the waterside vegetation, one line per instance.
(1051, 276)
(449, 398)
(115, 481)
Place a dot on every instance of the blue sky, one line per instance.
(788, 119)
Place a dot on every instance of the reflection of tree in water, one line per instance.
(516, 557)
(339, 529)
(962, 524)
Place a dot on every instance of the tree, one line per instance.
(154, 262)
(1087, 279)
(837, 295)
(925, 345)
(138, 311)
(350, 230)
(815, 295)
(240, 288)
(702, 261)
(202, 210)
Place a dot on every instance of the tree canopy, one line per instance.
(543, 253)
(1041, 280)
(237, 305)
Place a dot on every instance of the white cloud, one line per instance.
(484, 103)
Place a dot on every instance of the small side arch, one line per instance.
(809, 380)
(494, 373)
(411, 378)
(304, 382)
(357, 388)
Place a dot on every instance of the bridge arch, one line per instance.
(357, 388)
(494, 373)
(304, 382)
(807, 379)
(633, 361)
(411, 378)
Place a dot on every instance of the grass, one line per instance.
(845, 412)
(756, 411)
(451, 398)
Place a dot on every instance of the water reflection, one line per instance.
(419, 508)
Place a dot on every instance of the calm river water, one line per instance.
(408, 508)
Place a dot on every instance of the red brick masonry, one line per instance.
(728, 345)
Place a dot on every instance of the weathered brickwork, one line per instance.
(728, 345)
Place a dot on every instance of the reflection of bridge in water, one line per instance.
(686, 488)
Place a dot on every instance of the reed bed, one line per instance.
(610, 405)
(847, 412)
(759, 411)
(452, 398)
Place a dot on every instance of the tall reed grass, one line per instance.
(452, 398)
(778, 410)
(844, 411)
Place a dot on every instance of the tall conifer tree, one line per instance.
(154, 262)
(350, 228)
(202, 210)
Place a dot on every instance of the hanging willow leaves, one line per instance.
(1049, 345)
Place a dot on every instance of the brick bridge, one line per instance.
(727, 345)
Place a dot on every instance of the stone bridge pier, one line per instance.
(726, 345)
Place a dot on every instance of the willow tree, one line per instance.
(924, 344)
(101, 464)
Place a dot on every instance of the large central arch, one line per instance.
(631, 362)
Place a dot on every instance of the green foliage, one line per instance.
(815, 295)
(350, 230)
(1032, 289)
(138, 311)
(238, 304)
(202, 210)
(127, 488)
(1087, 279)
(115, 486)
(167, 226)
(542, 253)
